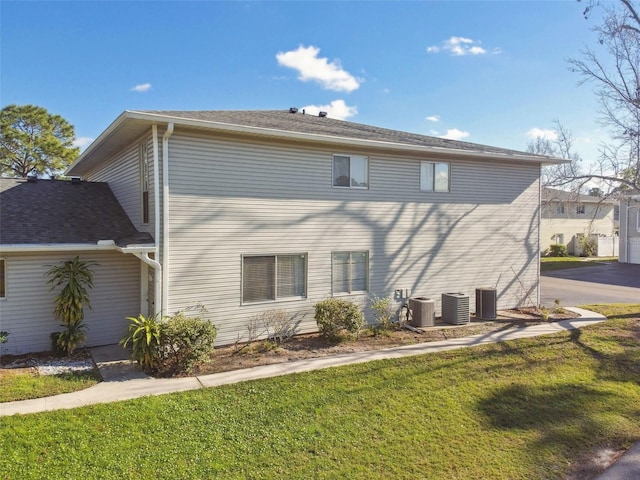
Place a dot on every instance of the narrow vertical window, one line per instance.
(434, 177)
(144, 181)
(3, 279)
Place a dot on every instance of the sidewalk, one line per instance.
(124, 381)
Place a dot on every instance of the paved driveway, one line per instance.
(601, 283)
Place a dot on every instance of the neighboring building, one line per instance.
(566, 216)
(262, 210)
(630, 229)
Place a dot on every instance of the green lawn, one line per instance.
(548, 264)
(517, 410)
(23, 386)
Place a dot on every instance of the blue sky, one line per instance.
(489, 72)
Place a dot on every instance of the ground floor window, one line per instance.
(350, 272)
(273, 277)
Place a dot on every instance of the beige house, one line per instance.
(251, 211)
(567, 216)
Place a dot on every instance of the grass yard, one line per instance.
(21, 385)
(548, 264)
(523, 409)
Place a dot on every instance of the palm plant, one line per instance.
(76, 277)
(143, 333)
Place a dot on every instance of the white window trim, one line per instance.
(277, 300)
(333, 176)
(582, 207)
(637, 228)
(434, 163)
(145, 177)
(354, 292)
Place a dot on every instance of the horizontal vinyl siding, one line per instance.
(229, 199)
(122, 173)
(27, 312)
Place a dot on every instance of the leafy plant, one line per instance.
(588, 246)
(4, 336)
(143, 333)
(186, 341)
(558, 250)
(383, 312)
(73, 335)
(76, 277)
(335, 315)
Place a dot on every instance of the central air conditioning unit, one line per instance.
(486, 303)
(455, 308)
(423, 312)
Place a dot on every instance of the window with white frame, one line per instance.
(434, 176)
(350, 272)
(268, 278)
(560, 209)
(3, 278)
(350, 171)
(580, 210)
(144, 181)
(638, 221)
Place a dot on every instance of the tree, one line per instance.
(34, 141)
(617, 81)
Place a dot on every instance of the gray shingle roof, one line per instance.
(59, 212)
(313, 124)
(562, 196)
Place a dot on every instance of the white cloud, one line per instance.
(330, 75)
(433, 118)
(83, 142)
(455, 134)
(461, 46)
(542, 133)
(337, 109)
(141, 88)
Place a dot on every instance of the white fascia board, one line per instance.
(72, 247)
(300, 136)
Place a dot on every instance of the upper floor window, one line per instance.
(560, 209)
(350, 171)
(268, 278)
(580, 210)
(144, 181)
(616, 213)
(434, 177)
(3, 279)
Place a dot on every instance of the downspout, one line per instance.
(539, 232)
(165, 217)
(154, 264)
(157, 277)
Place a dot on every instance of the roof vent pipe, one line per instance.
(32, 179)
(293, 110)
(76, 180)
(322, 114)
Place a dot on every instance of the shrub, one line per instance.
(4, 336)
(383, 312)
(73, 335)
(186, 341)
(335, 315)
(558, 250)
(143, 334)
(588, 246)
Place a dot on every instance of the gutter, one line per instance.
(165, 218)
(101, 245)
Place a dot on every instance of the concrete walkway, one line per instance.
(124, 381)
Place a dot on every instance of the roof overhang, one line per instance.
(132, 124)
(102, 245)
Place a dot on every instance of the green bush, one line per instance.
(335, 315)
(143, 334)
(383, 312)
(558, 250)
(588, 246)
(73, 335)
(186, 341)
